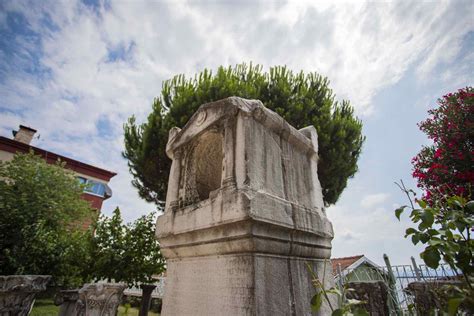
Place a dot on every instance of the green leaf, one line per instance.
(424, 238)
(453, 305)
(422, 203)
(399, 211)
(360, 312)
(335, 291)
(338, 312)
(316, 301)
(415, 239)
(470, 206)
(460, 226)
(433, 232)
(435, 242)
(427, 218)
(410, 231)
(431, 257)
(353, 301)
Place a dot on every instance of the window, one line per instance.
(96, 188)
(82, 180)
(93, 187)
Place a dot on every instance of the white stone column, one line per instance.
(173, 183)
(228, 175)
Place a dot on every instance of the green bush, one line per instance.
(41, 221)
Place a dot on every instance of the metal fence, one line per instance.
(137, 291)
(157, 292)
(397, 278)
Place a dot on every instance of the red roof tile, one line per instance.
(344, 262)
(13, 146)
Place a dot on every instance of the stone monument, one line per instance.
(18, 292)
(244, 214)
(99, 299)
(66, 300)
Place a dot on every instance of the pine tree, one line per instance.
(301, 99)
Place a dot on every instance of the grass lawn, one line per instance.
(133, 312)
(46, 307)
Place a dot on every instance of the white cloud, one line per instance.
(372, 200)
(371, 233)
(361, 47)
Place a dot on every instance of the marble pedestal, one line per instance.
(244, 215)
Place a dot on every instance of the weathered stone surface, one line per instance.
(374, 294)
(67, 300)
(17, 293)
(244, 212)
(99, 299)
(147, 289)
(430, 296)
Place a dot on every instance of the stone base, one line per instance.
(67, 300)
(374, 294)
(18, 292)
(242, 284)
(99, 299)
(429, 296)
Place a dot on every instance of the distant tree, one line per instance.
(108, 248)
(41, 216)
(127, 253)
(302, 99)
(446, 167)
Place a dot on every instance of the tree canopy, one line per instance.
(41, 220)
(127, 253)
(301, 99)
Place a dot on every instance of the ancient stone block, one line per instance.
(373, 294)
(244, 214)
(432, 296)
(66, 300)
(17, 293)
(99, 299)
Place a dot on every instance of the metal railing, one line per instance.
(157, 292)
(397, 278)
(137, 291)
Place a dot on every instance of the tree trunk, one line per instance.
(147, 289)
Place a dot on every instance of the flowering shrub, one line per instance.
(445, 230)
(445, 214)
(447, 166)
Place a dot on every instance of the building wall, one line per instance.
(5, 155)
(95, 201)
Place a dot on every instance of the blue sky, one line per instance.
(75, 71)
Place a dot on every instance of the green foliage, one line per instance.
(446, 167)
(444, 227)
(445, 215)
(301, 99)
(40, 224)
(126, 253)
(346, 307)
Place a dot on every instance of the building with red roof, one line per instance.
(357, 269)
(96, 178)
